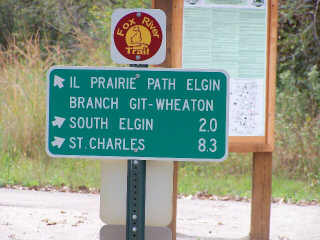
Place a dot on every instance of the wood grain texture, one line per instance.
(261, 196)
(173, 224)
(174, 12)
(261, 146)
(272, 69)
(247, 147)
(265, 143)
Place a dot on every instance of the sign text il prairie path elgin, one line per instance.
(137, 113)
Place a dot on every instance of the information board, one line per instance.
(137, 113)
(232, 35)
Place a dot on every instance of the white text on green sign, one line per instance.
(137, 113)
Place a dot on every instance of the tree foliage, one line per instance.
(298, 41)
(299, 50)
(55, 21)
(58, 22)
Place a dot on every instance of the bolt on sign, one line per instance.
(137, 113)
(138, 36)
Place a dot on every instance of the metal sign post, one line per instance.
(136, 196)
(136, 191)
(137, 37)
(128, 113)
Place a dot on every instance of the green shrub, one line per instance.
(56, 40)
(298, 130)
(298, 49)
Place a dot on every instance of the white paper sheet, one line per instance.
(231, 35)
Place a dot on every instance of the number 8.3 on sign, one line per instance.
(209, 145)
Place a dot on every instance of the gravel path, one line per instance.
(32, 215)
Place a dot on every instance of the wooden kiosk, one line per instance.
(261, 146)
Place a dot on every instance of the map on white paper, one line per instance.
(231, 35)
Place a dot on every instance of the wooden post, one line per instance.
(261, 196)
(174, 12)
(262, 160)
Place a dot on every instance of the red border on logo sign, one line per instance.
(145, 39)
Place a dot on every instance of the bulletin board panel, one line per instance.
(264, 141)
(238, 36)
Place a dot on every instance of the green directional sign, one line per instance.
(163, 114)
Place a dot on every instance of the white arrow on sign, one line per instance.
(58, 121)
(58, 141)
(58, 81)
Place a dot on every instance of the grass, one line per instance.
(211, 181)
(73, 173)
(23, 159)
(193, 178)
(294, 190)
(227, 186)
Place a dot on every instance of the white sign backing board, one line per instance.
(118, 232)
(159, 192)
(138, 36)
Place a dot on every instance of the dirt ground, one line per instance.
(33, 215)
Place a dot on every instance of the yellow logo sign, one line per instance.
(138, 36)
(138, 39)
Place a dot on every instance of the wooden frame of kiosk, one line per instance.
(261, 146)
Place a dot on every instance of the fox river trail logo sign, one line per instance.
(138, 36)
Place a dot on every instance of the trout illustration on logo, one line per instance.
(138, 36)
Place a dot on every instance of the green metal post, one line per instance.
(136, 190)
(136, 195)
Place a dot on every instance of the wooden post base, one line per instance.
(173, 225)
(261, 196)
(174, 13)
